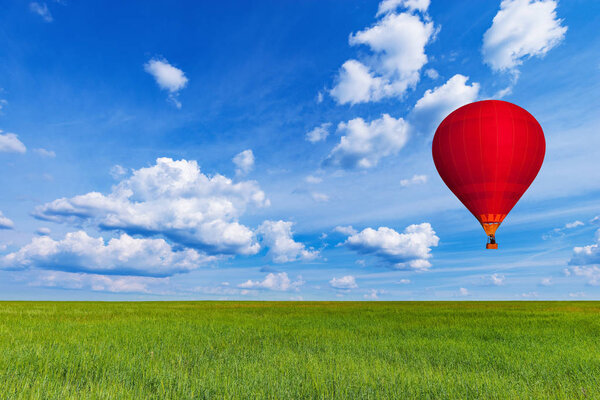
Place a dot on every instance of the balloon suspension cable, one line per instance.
(491, 243)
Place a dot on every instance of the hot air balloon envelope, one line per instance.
(488, 153)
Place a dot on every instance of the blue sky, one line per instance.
(282, 150)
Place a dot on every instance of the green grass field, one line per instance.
(305, 350)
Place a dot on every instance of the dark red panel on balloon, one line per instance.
(488, 153)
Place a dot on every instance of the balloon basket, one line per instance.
(491, 246)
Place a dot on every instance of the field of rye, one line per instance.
(300, 350)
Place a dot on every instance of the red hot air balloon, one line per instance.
(488, 153)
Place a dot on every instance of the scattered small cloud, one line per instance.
(432, 73)
(497, 279)
(346, 282)
(415, 180)
(98, 283)
(345, 230)
(6, 223)
(167, 77)
(274, 281)
(373, 294)
(244, 162)
(42, 10)
(313, 179)
(10, 143)
(403, 281)
(319, 133)
(45, 153)
(319, 197)
(43, 231)
(546, 281)
(117, 171)
(463, 291)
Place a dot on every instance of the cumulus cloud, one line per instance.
(587, 255)
(521, 29)
(319, 133)
(97, 283)
(415, 180)
(42, 10)
(410, 249)
(244, 161)
(546, 281)
(436, 104)
(173, 199)
(345, 230)
(403, 281)
(167, 77)
(274, 281)
(387, 6)
(10, 143)
(463, 291)
(574, 224)
(78, 252)
(592, 273)
(278, 237)
(346, 282)
(398, 44)
(363, 144)
(6, 223)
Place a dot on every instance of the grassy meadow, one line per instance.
(300, 350)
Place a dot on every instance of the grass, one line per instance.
(300, 350)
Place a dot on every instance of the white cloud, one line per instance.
(43, 231)
(313, 179)
(387, 6)
(167, 77)
(577, 294)
(10, 143)
(415, 180)
(3, 102)
(432, 73)
(363, 144)
(436, 104)
(586, 255)
(78, 252)
(173, 199)
(277, 236)
(398, 43)
(345, 230)
(497, 279)
(463, 291)
(244, 161)
(319, 133)
(592, 273)
(574, 224)
(410, 249)
(546, 281)
(117, 171)
(319, 197)
(42, 10)
(373, 294)
(403, 281)
(6, 223)
(45, 153)
(279, 282)
(346, 282)
(98, 283)
(521, 29)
